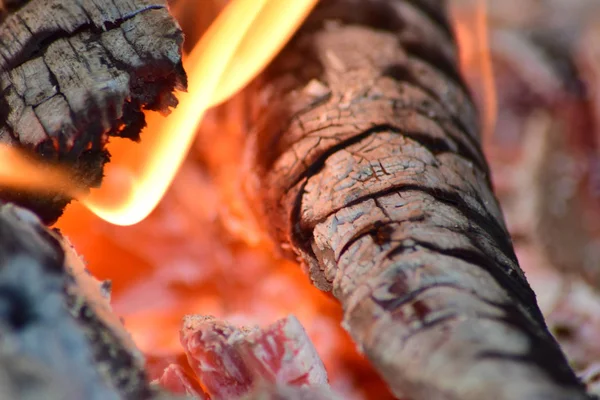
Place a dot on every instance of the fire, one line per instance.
(473, 42)
(185, 259)
(32, 174)
(237, 46)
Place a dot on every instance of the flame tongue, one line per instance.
(237, 46)
(471, 29)
(18, 171)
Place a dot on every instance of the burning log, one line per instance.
(73, 74)
(367, 163)
(59, 337)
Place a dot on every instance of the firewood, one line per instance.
(366, 163)
(60, 339)
(74, 73)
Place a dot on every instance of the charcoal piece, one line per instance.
(74, 73)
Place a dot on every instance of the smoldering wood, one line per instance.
(176, 379)
(60, 339)
(74, 73)
(234, 363)
(366, 165)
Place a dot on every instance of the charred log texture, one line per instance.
(368, 167)
(59, 338)
(73, 73)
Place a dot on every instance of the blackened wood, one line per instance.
(73, 73)
(59, 338)
(368, 167)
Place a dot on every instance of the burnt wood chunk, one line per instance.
(74, 73)
(59, 338)
(366, 163)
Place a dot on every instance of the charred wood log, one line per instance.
(73, 73)
(367, 163)
(59, 338)
(177, 380)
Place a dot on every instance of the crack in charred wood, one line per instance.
(39, 41)
(402, 73)
(504, 274)
(434, 10)
(382, 234)
(481, 220)
(376, 213)
(73, 74)
(466, 146)
(435, 60)
(318, 164)
(434, 145)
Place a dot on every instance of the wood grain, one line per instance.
(366, 165)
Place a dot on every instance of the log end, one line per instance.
(76, 77)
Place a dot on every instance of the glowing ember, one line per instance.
(234, 49)
(237, 46)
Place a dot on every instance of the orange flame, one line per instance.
(473, 40)
(238, 45)
(32, 174)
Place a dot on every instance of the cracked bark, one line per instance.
(73, 73)
(366, 162)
